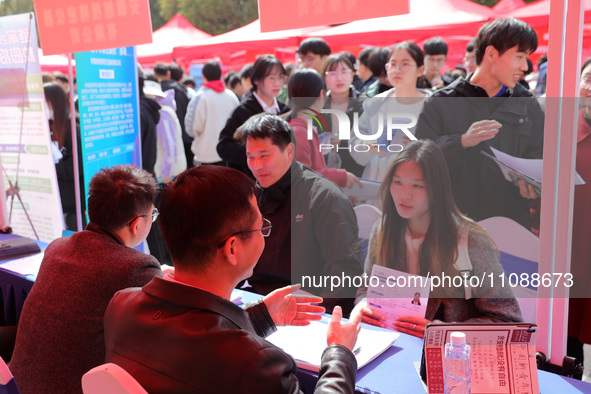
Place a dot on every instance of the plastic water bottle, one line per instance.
(457, 365)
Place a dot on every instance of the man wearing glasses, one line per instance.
(60, 332)
(314, 236)
(183, 334)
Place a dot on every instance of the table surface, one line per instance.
(392, 371)
(395, 371)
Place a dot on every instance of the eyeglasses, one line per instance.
(276, 78)
(402, 67)
(343, 73)
(154, 215)
(265, 230)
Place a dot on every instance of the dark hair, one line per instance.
(264, 66)
(188, 81)
(470, 46)
(364, 55)
(263, 126)
(543, 59)
(333, 61)
(413, 50)
(435, 46)
(304, 88)
(246, 71)
(438, 251)
(234, 80)
(212, 71)
(315, 45)
(530, 67)
(61, 78)
(176, 72)
(587, 62)
(504, 34)
(378, 60)
(151, 77)
(57, 98)
(289, 68)
(201, 207)
(229, 75)
(351, 58)
(161, 69)
(118, 194)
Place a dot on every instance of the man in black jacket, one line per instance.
(314, 240)
(267, 78)
(489, 109)
(183, 334)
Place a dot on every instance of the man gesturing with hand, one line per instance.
(183, 334)
(488, 108)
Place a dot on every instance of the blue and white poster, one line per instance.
(109, 109)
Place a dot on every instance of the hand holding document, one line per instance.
(397, 294)
(528, 170)
(368, 191)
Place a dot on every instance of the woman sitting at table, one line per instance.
(422, 232)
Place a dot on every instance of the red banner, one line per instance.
(283, 15)
(88, 25)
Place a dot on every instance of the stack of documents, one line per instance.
(15, 247)
(307, 343)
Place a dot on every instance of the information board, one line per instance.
(109, 109)
(25, 150)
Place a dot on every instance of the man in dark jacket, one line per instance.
(267, 78)
(315, 230)
(149, 118)
(488, 108)
(60, 332)
(183, 334)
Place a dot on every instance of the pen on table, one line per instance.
(357, 350)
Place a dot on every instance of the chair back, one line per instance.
(110, 378)
(367, 215)
(7, 383)
(519, 249)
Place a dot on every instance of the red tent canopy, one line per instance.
(427, 18)
(177, 31)
(241, 45)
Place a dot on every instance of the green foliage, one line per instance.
(157, 19)
(212, 16)
(12, 7)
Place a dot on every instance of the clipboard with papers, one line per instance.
(307, 343)
(503, 358)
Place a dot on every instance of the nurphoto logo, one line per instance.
(381, 139)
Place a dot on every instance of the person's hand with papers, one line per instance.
(287, 309)
(411, 325)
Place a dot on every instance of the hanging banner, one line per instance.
(108, 107)
(25, 148)
(86, 25)
(282, 15)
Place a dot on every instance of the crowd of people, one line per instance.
(246, 198)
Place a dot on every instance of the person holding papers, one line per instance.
(306, 90)
(485, 109)
(423, 233)
(183, 334)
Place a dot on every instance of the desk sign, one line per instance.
(69, 26)
(108, 105)
(282, 15)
